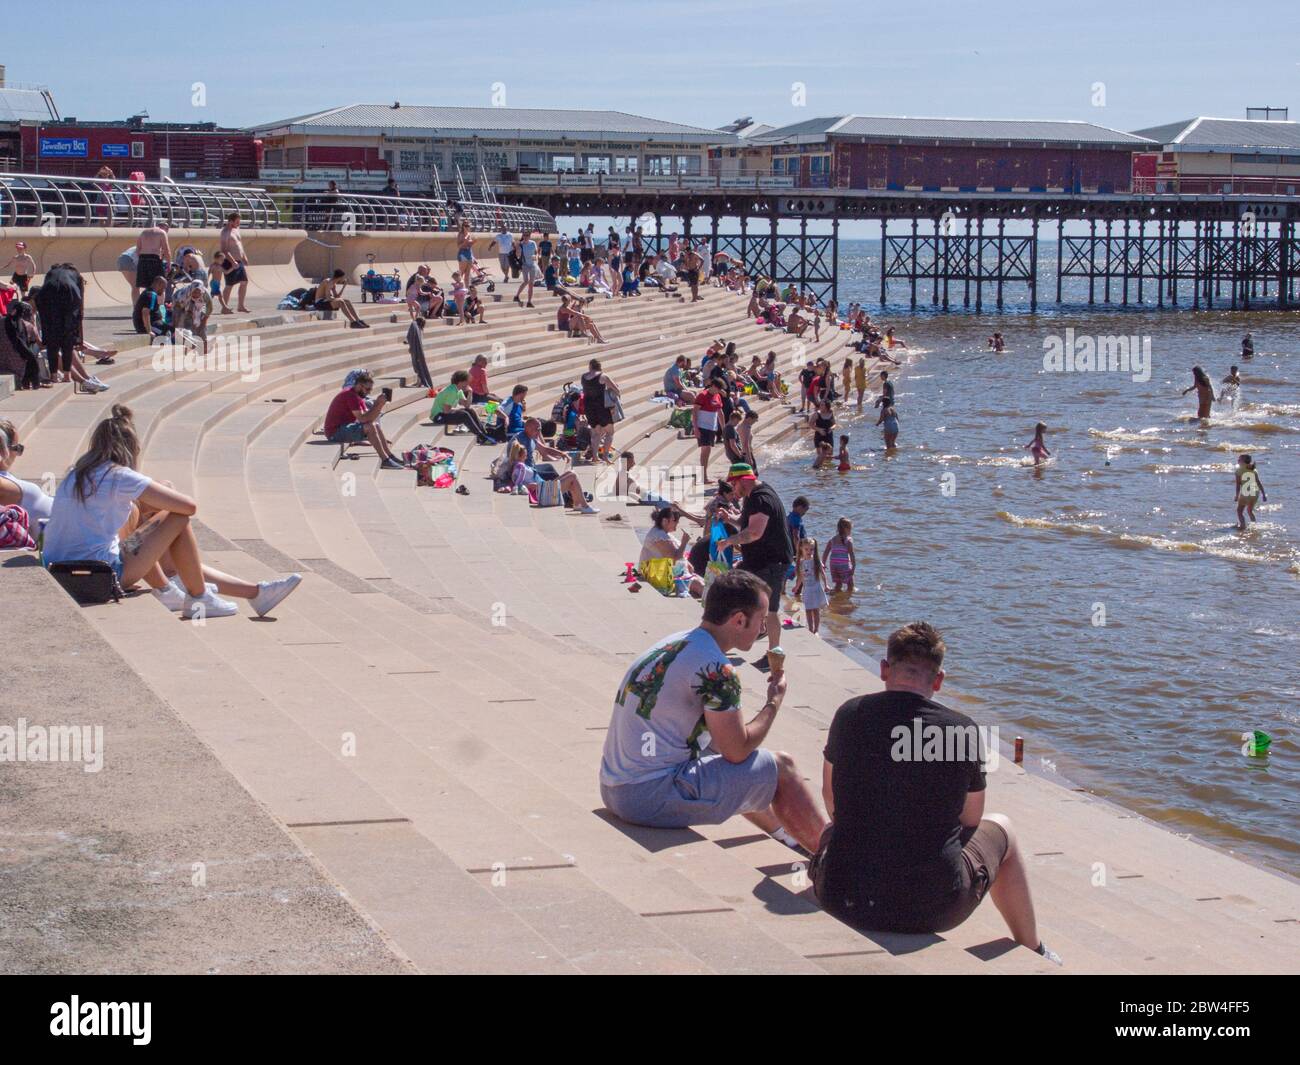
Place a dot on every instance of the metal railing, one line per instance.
(739, 180)
(1216, 186)
(44, 199)
(345, 211)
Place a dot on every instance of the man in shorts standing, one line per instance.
(528, 256)
(679, 753)
(764, 540)
(232, 245)
(910, 848)
(153, 252)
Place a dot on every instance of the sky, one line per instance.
(1122, 65)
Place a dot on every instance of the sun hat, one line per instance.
(741, 471)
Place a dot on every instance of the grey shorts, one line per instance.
(704, 791)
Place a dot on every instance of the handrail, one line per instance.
(343, 212)
(44, 199)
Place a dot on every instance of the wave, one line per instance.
(1139, 540)
(1140, 437)
(1206, 467)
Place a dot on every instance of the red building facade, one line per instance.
(196, 154)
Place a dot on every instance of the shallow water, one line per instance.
(1104, 605)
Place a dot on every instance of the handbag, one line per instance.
(548, 493)
(88, 582)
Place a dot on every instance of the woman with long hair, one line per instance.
(104, 496)
(1204, 391)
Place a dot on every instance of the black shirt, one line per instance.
(899, 788)
(773, 547)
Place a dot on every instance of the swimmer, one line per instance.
(824, 454)
(1037, 448)
(845, 463)
(997, 343)
(1231, 388)
(860, 380)
(892, 341)
(1247, 347)
(1204, 392)
(1250, 490)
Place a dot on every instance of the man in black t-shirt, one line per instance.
(910, 848)
(764, 541)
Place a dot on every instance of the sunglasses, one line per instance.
(17, 449)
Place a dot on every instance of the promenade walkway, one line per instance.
(424, 716)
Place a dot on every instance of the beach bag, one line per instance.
(88, 582)
(548, 493)
(680, 418)
(658, 573)
(616, 411)
(15, 530)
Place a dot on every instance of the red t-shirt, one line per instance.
(709, 404)
(478, 380)
(341, 410)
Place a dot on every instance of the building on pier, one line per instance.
(360, 145)
(951, 154)
(1226, 156)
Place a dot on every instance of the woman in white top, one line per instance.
(14, 491)
(104, 496)
(665, 540)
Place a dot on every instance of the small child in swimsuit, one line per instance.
(839, 557)
(810, 585)
(1250, 489)
(824, 454)
(845, 464)
(1037, 448)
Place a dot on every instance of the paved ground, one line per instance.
(160, 862)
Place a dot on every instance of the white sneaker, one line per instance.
(209, 605)
(271, 593)
(589, 509)
(173, 596)
(96, 385)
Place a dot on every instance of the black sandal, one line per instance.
(462, 490)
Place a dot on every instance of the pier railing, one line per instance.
(44, 199)
(342, 212)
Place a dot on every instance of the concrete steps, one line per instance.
(426, 713)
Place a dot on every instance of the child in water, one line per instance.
(1250, 489)
(1036, 447)
(845, 464)
(811, 584)
(824, 454)
(860, 380)
(839, 556)
(997, 343)
(1231, 388)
